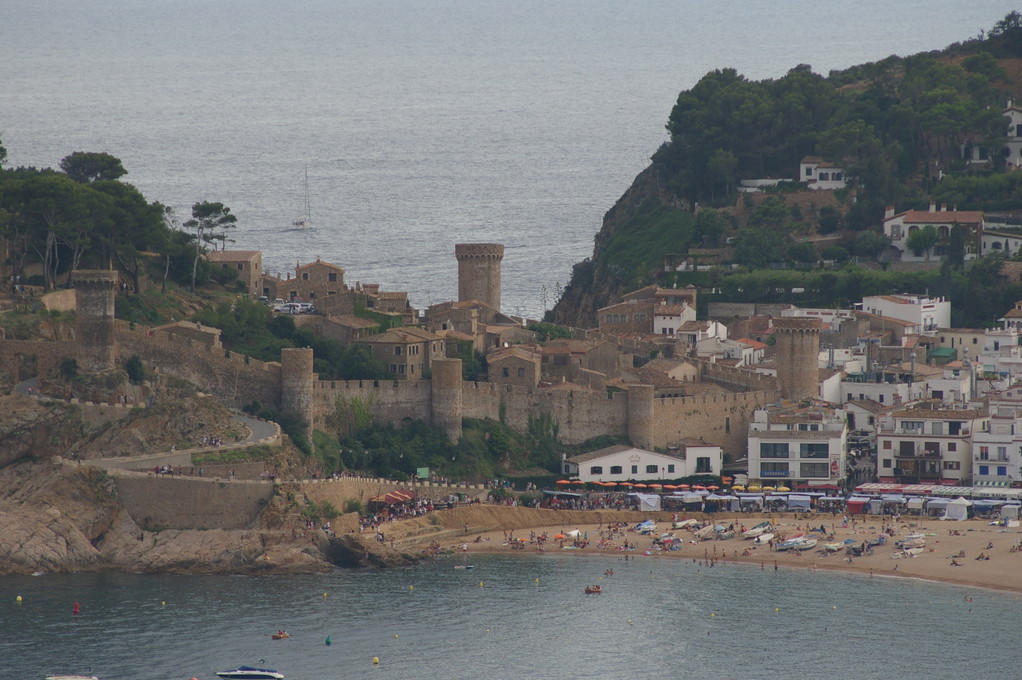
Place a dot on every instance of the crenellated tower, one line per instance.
(297, 382)
(479, 272)
(798, 351)
(95, 293)
(447, 396)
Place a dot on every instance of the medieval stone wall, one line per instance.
(170, 502)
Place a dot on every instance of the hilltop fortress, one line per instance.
(641, 412)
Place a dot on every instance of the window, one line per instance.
(912, 425)
(984, 453)
(652, 469)
(773, 470)
(952, 446)
(332, 277)
(984, 469)
(393, 368)
(727, 425)
(670, 468)
(401, 369)
(1002, 470)
(596, 470)
(887, 462)
(615, 469)
(397, 350)
(1002, 453)
(931, 448)
(506, 372)
(952, 465)
(768, 450)
(814, 450)
(937, 428)
(703, 464)
(814, 469)
(305, 276)
(241, 267)
(887, 444)
(880, 398)
(635, 469)
(521, 372)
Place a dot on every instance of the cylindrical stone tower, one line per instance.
(447, 396)
(798, 351)
(95, 292)
(479, 272)
(640, 416)
(296, 382)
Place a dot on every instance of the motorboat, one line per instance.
(590, 590)
(756, 530)
(805, 544)
(280, 635)
(706, 533)
(725, 535)
(684, 524)
(250, 673)
(834, 547)
(788, 544)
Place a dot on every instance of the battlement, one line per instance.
(797, 325)
(493, 251)
(95, 279)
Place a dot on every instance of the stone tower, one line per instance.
(297, 382)
(798, 350)
(447, 399)
(640, 416)
(95, 292)
(479, 272)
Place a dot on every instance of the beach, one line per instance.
(968, 553)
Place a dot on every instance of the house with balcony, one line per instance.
(927, 313)
(798, 443)
(997, 452)
(900, 226)
(919, 445)
(817, 173)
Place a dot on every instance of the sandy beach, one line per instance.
(950, 554)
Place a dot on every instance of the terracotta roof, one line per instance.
(232, 255)
(665, 310)
(318, 263)
(755, 344)
(939, 217)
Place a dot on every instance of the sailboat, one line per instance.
(305, 221)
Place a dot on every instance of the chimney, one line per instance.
(889, 212)
(933, 206)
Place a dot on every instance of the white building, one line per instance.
(817, 173)
(928, 446)
(997, 452)
(902, 225)
(830, 318)
(796, 444)
(694, 331)
(621, 463)
(927, 312)
(667, 319)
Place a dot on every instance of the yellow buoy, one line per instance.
(712, 615)
(376, 659)
(411, 587)
(18, 598)
(629, 622)
(776, 610)
(834, 607)
(395, 636)
(480, 584)
(324, 594)
(163, 603)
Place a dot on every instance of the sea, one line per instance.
(421, 123)
(512, 616)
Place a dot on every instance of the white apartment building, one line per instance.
(928, 446)
(997, 452)
(926, 312)
(797, 444)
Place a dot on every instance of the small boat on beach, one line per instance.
(763, 539)
(706, 533)
(71, 677)
(684, 524)
(725, 535)
(804, 544)
(250, 673)
(789, 543)
(908, 552)
(757, 530)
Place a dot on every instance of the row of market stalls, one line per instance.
(706, 500)
(947, 502)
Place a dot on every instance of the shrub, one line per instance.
(135, 369)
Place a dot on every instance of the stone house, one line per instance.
(563, 359)
(636, 314)
(248, 264)
(515, 366)
(408, 351)
(310, 282)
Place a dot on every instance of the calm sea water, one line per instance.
(657, 619)
(422, 124)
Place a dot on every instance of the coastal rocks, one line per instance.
(34, 429)
(361, 550)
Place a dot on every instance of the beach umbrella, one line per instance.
(713, 487)
(562, 481)
(559, 537)
(738, 487)
(577, 481)
(610, 483)
(783, 488)
(768, 488)
(625, 484)
(755, 487)
(683, 486)
(639, 486)
(656, 486)
(699, 487)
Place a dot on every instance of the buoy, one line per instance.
(480, 584)
(327, 641)
(324, 594)
(629, 622)
(834, 607)
(163, 603)
(712, 615)
(18, 598)
(74, 610)
(395, 636)
(537, 580)
(776, 610)
(411, 587)
(376, 659)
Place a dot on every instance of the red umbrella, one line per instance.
(640, 486)
(562, 481)
(610, 483)
(625, 484)
(683, 486)
(699, 487)
(713, 487)
(656, 486)
(670, 486)
(577, 481)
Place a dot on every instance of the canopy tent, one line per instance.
(391, 497)
(958, 509)
(797, 501)
(856, 504)
(1009, 511)
(935, 505)
(648, 502)
(892, 498)
(916, 503)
